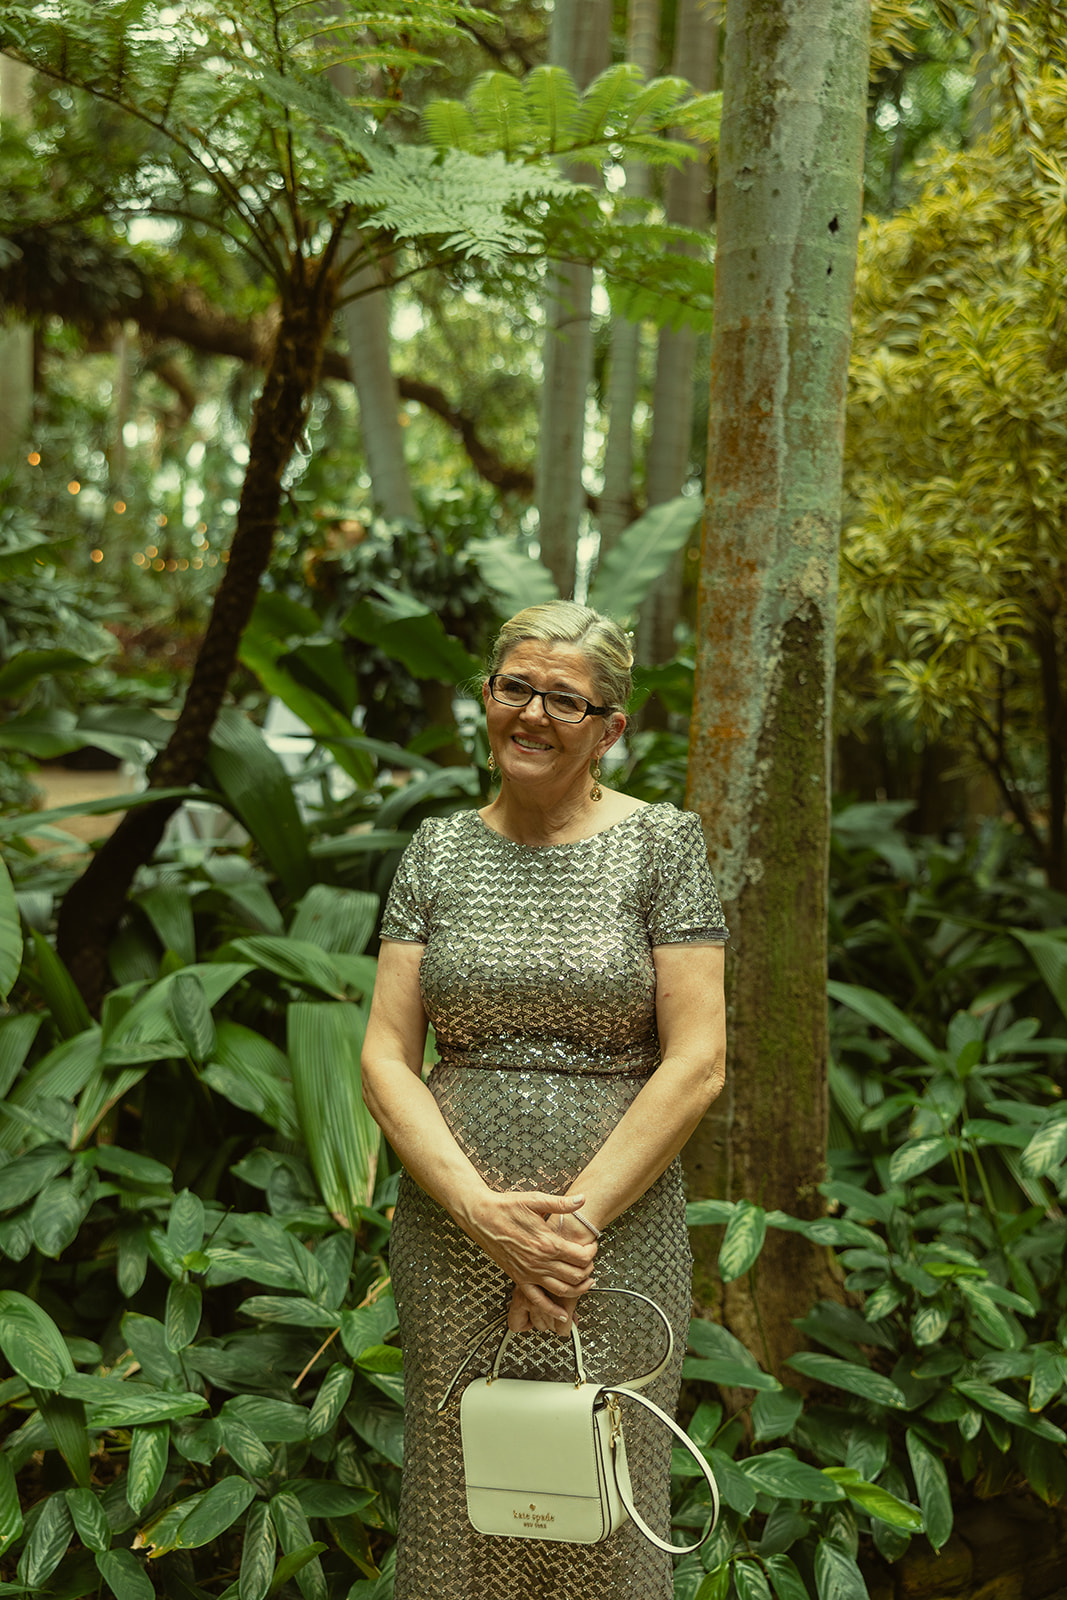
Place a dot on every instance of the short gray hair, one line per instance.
(601, 641)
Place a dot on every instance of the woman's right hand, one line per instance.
(513, 1231)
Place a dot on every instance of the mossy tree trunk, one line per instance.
(789, 202)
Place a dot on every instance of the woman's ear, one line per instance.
(613, 732)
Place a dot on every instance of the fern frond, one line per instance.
(499, 111)
(450, 125)
(552, 99)
(471, 203)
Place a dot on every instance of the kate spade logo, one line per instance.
(532, 1518)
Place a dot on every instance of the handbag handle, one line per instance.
(482, 1336)
(624, 1488)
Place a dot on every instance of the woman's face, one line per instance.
(534, 749)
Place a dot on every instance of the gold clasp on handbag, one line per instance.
(615, 1415)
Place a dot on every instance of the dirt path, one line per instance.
(60, 786)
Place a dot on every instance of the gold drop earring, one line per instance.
(491, 763)
(596, 792)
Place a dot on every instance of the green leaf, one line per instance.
(1050, 958)
(877, 1502)
(642, 552)
(517, 578)
(849, 1376)
(183, 1314)
(58, 1213)
(411, 633)
(342, 1137)
(27, 824)
(246, 1448)
(1047, 1379)
(1003, 1405)
(291, 1565)
(92, 1525)
(730, 1374)
(185, 1223)
(32, 1343)
(114, 1403)
(192, 1016)
(10, 934)
(10, 1506)
(293, 1309)
(332, 1398)
(1047, 1149)
(774, 1414)
(149, 1452)
(69, 1011)
(749, 1580)
(218, 1509)
(24, 668)
(876, 1009)
(778, 1472)
(257, 1553)
(931, 1486)
(837, 1577)
(708, 1213)
(65, 1421)
(743, 1240)
(257, 788)
(930, 1321)
(294, 1536)
(917, 1156)
(170, 911)
(124, 1575)
(785, 1579)
(47, 1544)
(252, 1073)
(338, 920)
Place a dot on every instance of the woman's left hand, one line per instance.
(522, 1314)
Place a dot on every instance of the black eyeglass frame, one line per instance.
(590, 709)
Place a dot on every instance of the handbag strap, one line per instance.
(624, 1488)
(478, 1339)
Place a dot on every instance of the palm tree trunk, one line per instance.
(580, 41)
(789, 207)
(366, 323)
(16, 340)
(93, 905)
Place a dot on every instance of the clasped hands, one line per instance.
(547, 1255)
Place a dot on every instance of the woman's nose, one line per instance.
(534, 709)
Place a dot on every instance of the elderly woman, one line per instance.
(566, 944)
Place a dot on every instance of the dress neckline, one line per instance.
(567, 844)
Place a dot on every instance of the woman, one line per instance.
(566, 943)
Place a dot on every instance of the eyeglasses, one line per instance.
(558, 704)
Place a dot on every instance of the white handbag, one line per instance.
(547, 1460)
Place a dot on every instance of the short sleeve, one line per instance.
(407, 909)
(685, 906)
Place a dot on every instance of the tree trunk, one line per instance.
(366, 321)
(580, 41)
(617, 496)
(696, 56)
(16, 341)
(94, 904)
(789, 204)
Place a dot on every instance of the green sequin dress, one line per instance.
(539, 981)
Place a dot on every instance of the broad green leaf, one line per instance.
(26, 666)
(292, 1309)
(1047, 1149)
(27, 1175)
(931, 1487)
(114, 1403)
(930, 1321)
(68, 1010)
(708, 1213)
(32, 1343)
(743, 1240)
(10, 1506)
(183, 1314)
(642, 552)
(17, 1034)
(29, 823)
(749, 1580)
(730, 1374)
(849, 1376)
(321, 1498)
(92, 1525)
(170, 911)
(1050, 958)
(917, 1156)
(65, 1421)
(133, 1170)
(275, 1421)
(994, 1326)
(773, 1414)
(192, 1016)
(736, 1488)
(338, 920)
(185, 1223)
(10, 933)
(1047, 1379)
(295, 960)
(147, 1338)
(293, 1564)
(58, 1212)
(381, 1358)
(253, 1073)
(257, 788)
(876, 1501)
(785, 1579)
(246, 1448)
(47, 1544)
(332, 1398)
(517, 578)
(342, 1137)
(149, 1451)
(125, 1576)
(876, 1009)
(294, 1535)
(713, 1586)
(778, 1472)
(411, 633)
(257, 1553)
(837, 1577)
(994, 1400)
(218, 1509)
(198, 1441)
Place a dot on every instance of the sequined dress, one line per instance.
(539, 982)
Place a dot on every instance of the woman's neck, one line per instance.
(539, 819)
